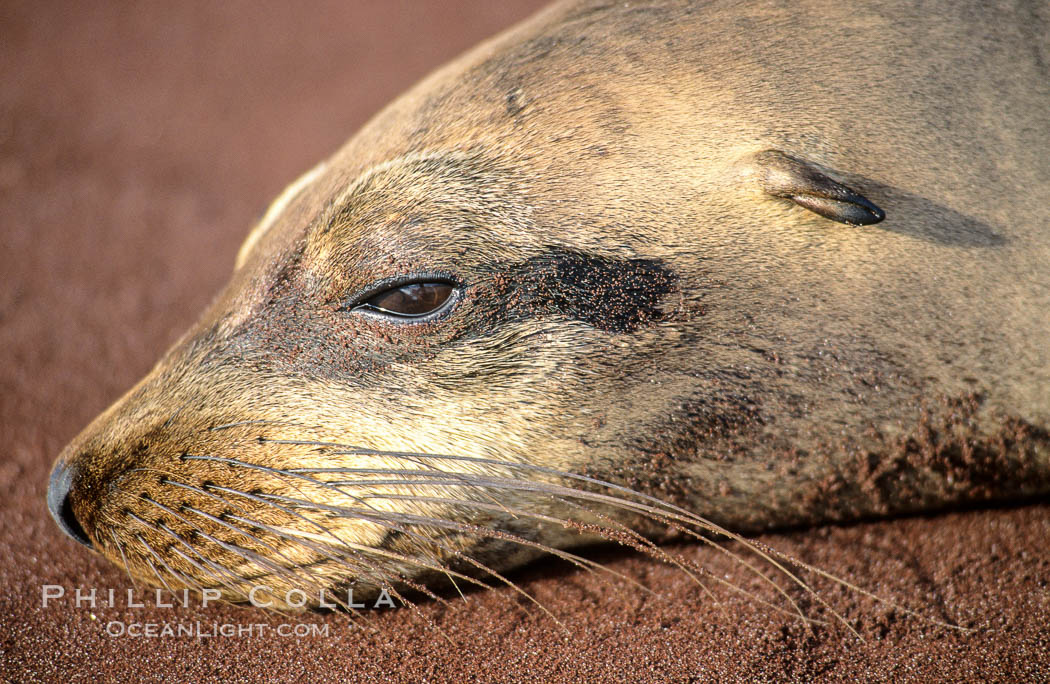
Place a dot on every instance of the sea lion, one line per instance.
(702, 266)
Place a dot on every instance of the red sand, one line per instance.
(137, 144)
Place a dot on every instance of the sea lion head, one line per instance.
(549, 286)
(389, 334)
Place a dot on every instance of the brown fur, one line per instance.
(635, 309)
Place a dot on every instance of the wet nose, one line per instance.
(58, 502)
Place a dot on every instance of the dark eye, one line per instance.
(415, 300)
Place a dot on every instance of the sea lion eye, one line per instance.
(414, 300)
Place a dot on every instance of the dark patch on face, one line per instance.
(614, 295)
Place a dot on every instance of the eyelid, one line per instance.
(359, 303)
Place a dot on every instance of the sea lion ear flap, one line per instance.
(797, 180)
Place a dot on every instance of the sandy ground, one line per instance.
(138, 141)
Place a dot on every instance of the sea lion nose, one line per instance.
(58, 503)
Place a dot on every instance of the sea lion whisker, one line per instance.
(234, 590)
(216, 578)
(242, 423)
(219, 499)
(374, 519)
(218, 521)
(123, 558)
(740, 560)
(416, 610)
(272, 471)
(664, 517)
(224, 500)
(629, 537)
(862, 591)
(258, 499)
(354, 451)
(439, 473)
(637, 541)
(253, 466)
(533, 486)
(287, 571)
(245, 554)
(320, 549)
(437, 565)
(646, 546)
(360, 550)
(153, 553)
(221, 570)
(673, 512)
(299, 473)
(517, 589)
(302, 537)
(261, 499)
(382, 518)
(669, 518)
(650, 548)
(187, 582)
(449, 524)
(482, 490)
(377, 517)
(150, 526)
(764, 551)
(202, 491)
(574, 559)
(174, 414)
(365, 569)
(383, 582)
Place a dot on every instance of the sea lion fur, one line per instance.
(773, 263)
